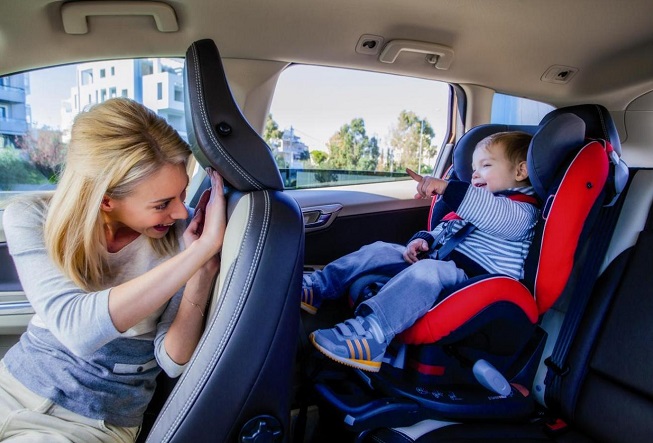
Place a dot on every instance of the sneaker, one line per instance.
(309, 301)
(352, 343)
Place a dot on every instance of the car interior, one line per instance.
(561, 355)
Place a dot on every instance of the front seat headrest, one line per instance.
(219, 135)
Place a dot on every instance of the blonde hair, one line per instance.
(114, 146)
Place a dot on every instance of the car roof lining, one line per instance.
(506, 49)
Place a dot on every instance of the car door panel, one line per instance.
(367, 213)
(15, 310)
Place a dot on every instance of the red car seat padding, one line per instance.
(569, 208)
(454, 311)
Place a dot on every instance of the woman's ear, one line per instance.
(522, 171)
(107, 204)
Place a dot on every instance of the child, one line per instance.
(500, 206)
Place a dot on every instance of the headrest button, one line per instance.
(589, 185)
(223, 128)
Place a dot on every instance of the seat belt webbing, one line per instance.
(444, 250)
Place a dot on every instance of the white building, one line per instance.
(14, 112)
(157, 83)
(292, 149)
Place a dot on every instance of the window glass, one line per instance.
(327, 126)
(39, 107)
(510, 110)
(330, 127)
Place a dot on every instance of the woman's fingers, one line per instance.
(215, 218)
(217, 184)
(204, 200)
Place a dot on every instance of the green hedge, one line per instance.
(14, 170)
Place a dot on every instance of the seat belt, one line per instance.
(448, 246)
(557, 361)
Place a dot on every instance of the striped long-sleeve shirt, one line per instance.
(504, 227)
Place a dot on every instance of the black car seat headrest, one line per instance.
(551, 148)
(598, 122)
(599, 125)
(219, 135)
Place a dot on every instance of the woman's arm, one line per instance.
(84, 321)
(186, 329)
(78, 319)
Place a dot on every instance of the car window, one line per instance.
(511, 110)
(330, 126)
(37, 109)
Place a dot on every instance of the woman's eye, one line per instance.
(162, 206)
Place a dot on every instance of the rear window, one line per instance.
(511, 110)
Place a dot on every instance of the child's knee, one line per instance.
(445, 271)
(379, 247)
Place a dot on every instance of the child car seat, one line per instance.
(491, 319)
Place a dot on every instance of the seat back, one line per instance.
(606, 393)
(238, 384)
(571, 195)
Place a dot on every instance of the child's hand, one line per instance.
(414, 249)
(427, 186)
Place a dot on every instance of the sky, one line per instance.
(48, 88)
(315, 101)
(318, 101)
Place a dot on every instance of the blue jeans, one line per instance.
(410, 293)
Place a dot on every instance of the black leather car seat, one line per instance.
(238, 384)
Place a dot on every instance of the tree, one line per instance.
(411, 143)
(351, 149)
(318, 157)
(271, 133)
(46, 151)
(14, 170)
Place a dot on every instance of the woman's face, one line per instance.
(154, 205)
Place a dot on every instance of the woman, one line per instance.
(118, 282)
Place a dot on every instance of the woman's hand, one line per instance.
(427, 186)
(414, 248)
(210, 220)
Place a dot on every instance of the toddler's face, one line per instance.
(493, 170)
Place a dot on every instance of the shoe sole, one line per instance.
(365, 365)
(308, 308)
(307, 294)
